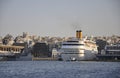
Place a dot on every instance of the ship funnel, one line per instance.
(79, 34)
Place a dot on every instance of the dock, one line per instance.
(44, 59)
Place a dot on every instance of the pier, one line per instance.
(108, 57)
(44, 59)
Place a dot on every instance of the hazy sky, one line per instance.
(60, 17)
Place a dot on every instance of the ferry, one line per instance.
(78, 48)
(110, 53)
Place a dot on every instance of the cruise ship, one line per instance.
(78, 48)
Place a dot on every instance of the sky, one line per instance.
(60, 18)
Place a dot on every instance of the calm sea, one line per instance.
(59, 69)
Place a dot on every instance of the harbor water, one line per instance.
(59, 69)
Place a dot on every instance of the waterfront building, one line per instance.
(41, 49)
(9, 51)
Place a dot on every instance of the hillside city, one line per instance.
(55, 42)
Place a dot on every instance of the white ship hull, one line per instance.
(84, 55)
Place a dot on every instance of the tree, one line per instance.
(7, 38)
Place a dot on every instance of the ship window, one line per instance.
(72, 41)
